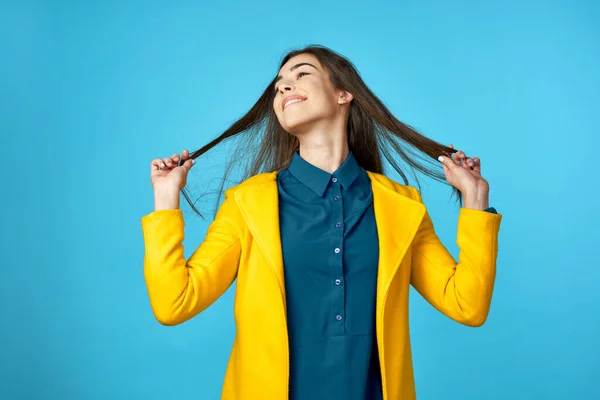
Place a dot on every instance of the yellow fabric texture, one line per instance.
(243, 243)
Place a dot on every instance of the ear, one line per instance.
(344, 97)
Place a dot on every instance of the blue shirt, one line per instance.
(330, 253)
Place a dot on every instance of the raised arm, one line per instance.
(179, 289)
(463, 290)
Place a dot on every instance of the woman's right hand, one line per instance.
(165, 172)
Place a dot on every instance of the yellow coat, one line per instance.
(243, 242)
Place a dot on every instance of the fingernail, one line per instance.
(193, 161)
(441, 159)
(162, 164)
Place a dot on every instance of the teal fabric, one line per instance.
(330, 252)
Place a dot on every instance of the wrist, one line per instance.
(476, 199)
(166, 198)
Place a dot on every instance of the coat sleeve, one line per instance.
(462, 291)
(180, 289)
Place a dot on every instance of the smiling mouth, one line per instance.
(295, 101)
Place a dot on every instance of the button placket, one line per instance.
(337, 243)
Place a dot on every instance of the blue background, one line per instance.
(92, 91)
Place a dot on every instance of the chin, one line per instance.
(295, 123)
(300, 122)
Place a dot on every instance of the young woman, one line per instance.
(323, 245)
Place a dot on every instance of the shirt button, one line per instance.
(337, 282)
(337, 250)
(334, 179)
(337, 224)
(338, 317)
(336, 197)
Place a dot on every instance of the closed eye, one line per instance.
(298, 75)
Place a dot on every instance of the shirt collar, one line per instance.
(317, 179)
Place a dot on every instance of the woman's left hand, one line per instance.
(464, 173)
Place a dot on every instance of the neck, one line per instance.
(327, 152)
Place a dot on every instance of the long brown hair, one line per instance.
(373, 132)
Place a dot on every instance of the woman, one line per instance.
(323, 246)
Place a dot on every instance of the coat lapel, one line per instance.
(259, 205)
(397, 216)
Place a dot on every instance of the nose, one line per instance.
(285, 87)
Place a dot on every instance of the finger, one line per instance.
(447, 163)
(188, 164)
(175, 158)
(456, 157)
(462, 159)
(168, 162)
(184, 156)
(468, 163)
(155, 164)
(449, 154)
(477, 166)
(445, 169)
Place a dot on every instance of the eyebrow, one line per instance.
(293, 68)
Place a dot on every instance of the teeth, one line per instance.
(287, 103)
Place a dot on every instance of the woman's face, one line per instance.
(313, 98)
